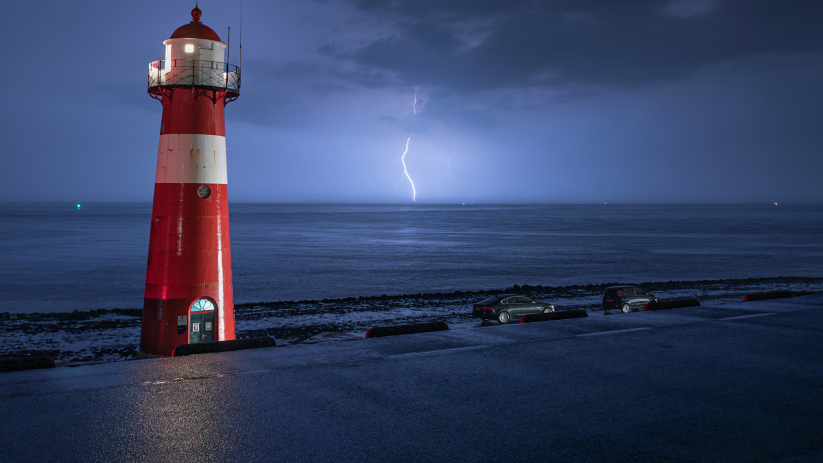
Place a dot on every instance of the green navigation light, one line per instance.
(78, 206)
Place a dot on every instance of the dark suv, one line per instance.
(626, 298)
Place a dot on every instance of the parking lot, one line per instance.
(728, 382)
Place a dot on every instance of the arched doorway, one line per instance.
(201, 321)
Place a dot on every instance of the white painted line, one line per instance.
(747, 316)
(441, 351)
(614, 331)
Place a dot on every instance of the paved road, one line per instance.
(735, 382)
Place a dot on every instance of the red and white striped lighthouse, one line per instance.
(188, 296)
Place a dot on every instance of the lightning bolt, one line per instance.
(406, 151)
(403, 160)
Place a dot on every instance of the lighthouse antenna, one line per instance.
(241, 35)
(228, 55)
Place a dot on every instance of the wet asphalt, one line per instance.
(732, 382)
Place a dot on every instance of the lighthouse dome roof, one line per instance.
(195, 29)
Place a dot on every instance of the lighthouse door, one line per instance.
(201, 322)
(202, 327)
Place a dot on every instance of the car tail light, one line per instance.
(486, 308)
(618, 293)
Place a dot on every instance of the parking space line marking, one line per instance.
(748, 316)
(439, 351)
(614, 331)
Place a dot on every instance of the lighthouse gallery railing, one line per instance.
(214, 75)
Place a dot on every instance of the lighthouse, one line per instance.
(188, 294)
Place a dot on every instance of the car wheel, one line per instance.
(503, 317)
(548, 310)
(626, 308)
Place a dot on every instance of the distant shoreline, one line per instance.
(546, 291)
(113, 334)
(649, 286)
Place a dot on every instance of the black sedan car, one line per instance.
(505, 307)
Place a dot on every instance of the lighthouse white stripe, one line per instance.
(191, 158)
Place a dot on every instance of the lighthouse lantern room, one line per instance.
(188, 293)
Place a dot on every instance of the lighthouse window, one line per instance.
(189, 48)
(204, 191)
(202, 305)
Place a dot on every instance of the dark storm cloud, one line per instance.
(469, 45)
(709, 100)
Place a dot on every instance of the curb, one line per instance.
(666, 305)
(223, 346)
(381, 331)
(542, 317)
(774, 295)
(26, 363)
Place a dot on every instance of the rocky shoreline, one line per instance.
(112, 335)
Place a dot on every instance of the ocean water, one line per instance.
(56, 257)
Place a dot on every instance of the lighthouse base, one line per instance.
(143, 356)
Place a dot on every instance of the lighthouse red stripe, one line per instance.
(194, 111)
(188, 234)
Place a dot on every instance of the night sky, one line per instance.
(567, 101)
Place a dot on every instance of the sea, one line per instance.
(66, 257)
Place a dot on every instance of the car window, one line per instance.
(639, 292)
(489, 300)
(523, 300)
(628, 292)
